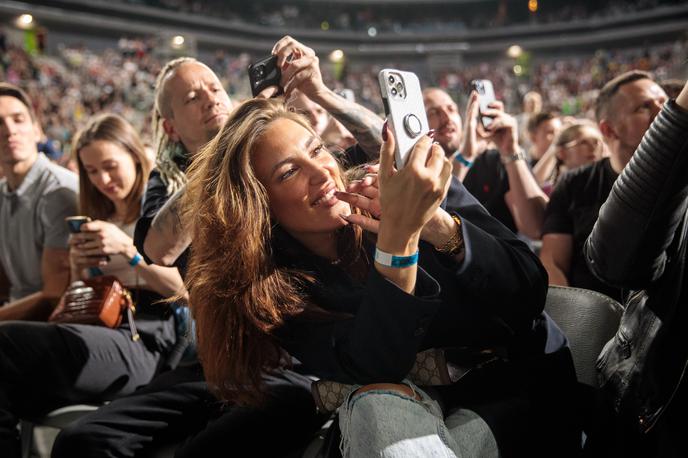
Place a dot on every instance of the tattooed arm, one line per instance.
(167, 238)
(301, 72)
(364, 125)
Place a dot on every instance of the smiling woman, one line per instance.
(300, 177)
(281, 268)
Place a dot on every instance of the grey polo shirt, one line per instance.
(31, 219)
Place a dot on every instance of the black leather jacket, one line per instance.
(634, 246)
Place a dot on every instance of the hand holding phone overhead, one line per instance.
(486, 96)
(263, 74)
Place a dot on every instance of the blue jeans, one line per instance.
(384, 423)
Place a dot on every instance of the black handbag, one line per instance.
(629, 369)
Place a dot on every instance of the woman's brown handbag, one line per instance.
(100, 301)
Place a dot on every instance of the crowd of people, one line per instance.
(394, 18)
(272, 243)
(68, 88)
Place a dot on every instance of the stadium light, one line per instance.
(25, 21)
(533, 6)
(372, 32)
(177, 41)
(336, 56)
(514, 51)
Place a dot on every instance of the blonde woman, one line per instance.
(578, 144)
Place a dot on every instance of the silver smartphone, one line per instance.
(486, 96)
(405, 111)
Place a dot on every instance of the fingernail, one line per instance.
(431, 133)
(384, 131)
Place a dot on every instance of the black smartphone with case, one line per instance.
(486, 96)
(75, 222)
(263, 74)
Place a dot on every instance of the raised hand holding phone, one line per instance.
(265, 74)
(486, 96)
(410, 196)
(503, 129)
(403, 102)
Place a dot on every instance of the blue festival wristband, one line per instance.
(390, 260)
(463, 161)
(135, 260)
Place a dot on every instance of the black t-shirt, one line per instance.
(488, 182)
(573, 209)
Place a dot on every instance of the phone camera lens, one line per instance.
(400, 87)
(393, 91)
(391, 79)
(259, 71)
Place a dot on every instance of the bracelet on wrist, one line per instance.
(390, 260)
(133, 262)
(509, 158)
(462, 160)
(454, 245)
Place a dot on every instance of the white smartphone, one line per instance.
(486, 96)
(405, 111)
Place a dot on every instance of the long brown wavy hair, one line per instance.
(238, 293)
(114, 129)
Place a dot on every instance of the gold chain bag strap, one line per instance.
(100, 301)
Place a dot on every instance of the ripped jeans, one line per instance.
(389, 424)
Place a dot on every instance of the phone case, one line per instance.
(264, 73)
(75, 222)
(486, 96)
(403, 102)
